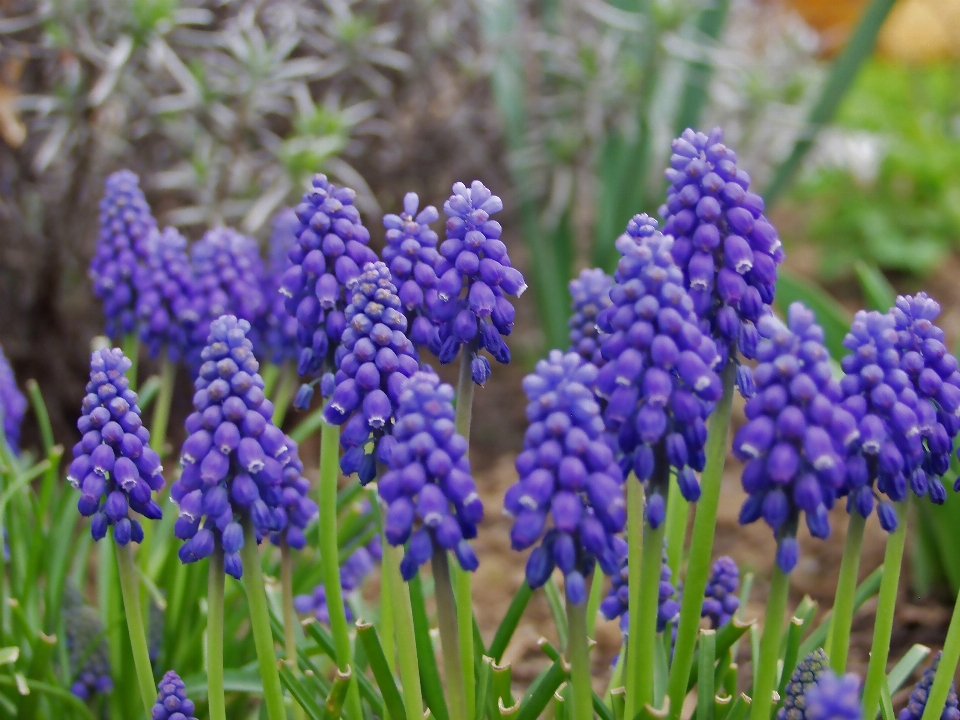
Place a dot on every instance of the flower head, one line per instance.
(720, 601)
(617, 602)
(13, 405)
(793, 441)
(277, 329)
(168, 306)
(113, 465)
(172, 702)
(803, 677)
(411, 254)
(658, 381)
(590, 294)
(374, 360)
(834, 698)
(330, 251)
(297, 508)
(429, 492)
(229, 276)
(87, 646)
(352, 574)
(123, 247)
(475, 276)
(569, 474)
(234, 457)
(918, 698)
(727, 249)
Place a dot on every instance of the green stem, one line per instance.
(289, 618)
(701, 546)
(215, 582)
(578, 654)
(633, 674)
(131, 349)
(288, 386)
(651, 561)
(462, 580)
(593, 602)
(883, 623)
(937, 698)
(138, 639)
(161, 408)
(678, 512)
(449, 632)
(329, 559)
(839, 644)
(766, 672)
(406, 639)
(386, 595)
(260, 623)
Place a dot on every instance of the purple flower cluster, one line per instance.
(567, 471)
(617, 602)
(277, 329)
(113, 465)
(794, 440)
(658, 381)
(590, 293)
(234, 458)
(331, 249)
(475, 276)
(352, 574)
(172, 702)
(918, 698)
(803, 678)
(411, 254)
(296, 507)
(720, 601)
(126, 226)
(229, 280)
(430, 495)
(168, 307)
(13, 405)
(727, 249)
(87, 646)
(374, 359)
(834, 698)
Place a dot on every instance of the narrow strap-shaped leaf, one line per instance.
(904, 669)
(537, 701)
(381, 670)
(886, 704)
(618, 698)
(865, 590)
(648, 712)
(727, 635)
(707, 654)
(510, 621)
(557, 610)
(721, 706)
(877, 290)
(501, 681)
(299, 692)
(324, 642)
(601, 709)
(793, 636)
(740, 709)
(484, 673)
(426, 659)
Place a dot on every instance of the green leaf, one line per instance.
(877, 290)
(832, 317)
(9, 655)
(904, 669)
(430, 683)
(300, 693)
(508, 624)
(727, 635)
(886, 704)
(707, 648)
(865, 590)
(790, 655)
(535, 704)
(242, 681)
(557, 610)
(381, 670)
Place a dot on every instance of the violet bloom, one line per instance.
(331, 248)
(590, 293)
(374, 360)
(475, 277)
(234, 456)
(658, 382)
(802, 679)
(172, 702)
(411, 254)
(617, 602)
(431, 498)
(727, 249)
(296, 508)
(13, 405)
(123, 248)
(353, 572)
(229, 281)
(793, 442)
(113, 465)
(720, 601)
(921, 691)
(168, 307)
(277, 329)
(568, 473)
(834, 698)
(87, 647)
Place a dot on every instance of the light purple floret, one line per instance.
(352, 574)
(277, 329)
(172, 701)
(590, 293)
(13, 405)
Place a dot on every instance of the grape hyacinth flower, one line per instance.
(834, 698)
(297, 508)
(331, 249)
(277, 329)
(590, 293)
(229, 280)
(123, 248)
(802, 679)
(617, 602)
(411, 254)
(475, 276)
(720, 601)
(793, 442)
(13, 405)
(658, 381)
(87, 647)
(113, 465)
(234, 457)
(568, 472)
(921, 691)
(168, 308)
(727, 249)
(430, 495)
(172, 702)
(375, 359)
(352, 574)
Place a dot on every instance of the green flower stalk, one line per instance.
(215, 587)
